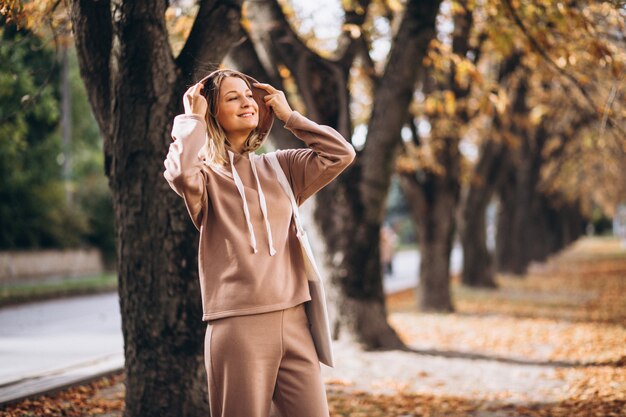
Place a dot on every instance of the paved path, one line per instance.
(52, 344)
(56, 343)
(406, 268)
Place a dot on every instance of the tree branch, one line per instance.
(544, 54)
(92, 28)
(393, 97)
(318, 79)
(202, 46)
(349, 40)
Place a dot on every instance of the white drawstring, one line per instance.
(246, 213)
(263, 206)
(262, 202)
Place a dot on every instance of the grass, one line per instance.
(62, 287)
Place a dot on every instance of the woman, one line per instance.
(258, 346)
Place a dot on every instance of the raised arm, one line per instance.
(310, 169)
(183, 167)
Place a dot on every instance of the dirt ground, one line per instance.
(550, 344)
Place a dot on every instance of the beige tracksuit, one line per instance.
(258, 346)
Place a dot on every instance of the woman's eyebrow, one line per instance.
(235, 91)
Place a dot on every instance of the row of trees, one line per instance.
(41, 206)
(471, 101)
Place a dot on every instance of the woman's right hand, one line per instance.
(194, 102)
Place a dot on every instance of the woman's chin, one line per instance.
(250, 124)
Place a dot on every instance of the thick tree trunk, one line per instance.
(349, 210)
(478, 269)
(532, 225)
(519, 214)
(518, 191)
(530, 228)
(433, 201)
(505, 238)
(557, 225)
(135, 87)
(434, 196)
(573, 224)
(366, 184)
(478, 263)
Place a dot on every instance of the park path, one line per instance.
(486, 378)
(56, 343)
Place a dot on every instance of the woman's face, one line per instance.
(237, 111)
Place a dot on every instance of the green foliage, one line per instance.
(34, 209)
(29, 115)
(86, 150)
(94, 199)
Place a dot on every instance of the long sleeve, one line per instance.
(183, 167)
(310, 169)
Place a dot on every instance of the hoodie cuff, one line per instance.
(195, 117)
(293, 117)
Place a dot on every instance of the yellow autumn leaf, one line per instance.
(450, 102)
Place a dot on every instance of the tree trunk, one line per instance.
(518, 191)
(505, 238)
(433, 200)
(135, 88)
(478, 264)
(433, 196)
(349, 211)
(477, 260)
(557, 225)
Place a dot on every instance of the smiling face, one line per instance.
(237, 111)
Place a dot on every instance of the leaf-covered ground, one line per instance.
(550, 344)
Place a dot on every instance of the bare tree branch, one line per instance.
(194, 60)
(394, 94)
(91, 25)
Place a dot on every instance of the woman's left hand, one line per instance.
(276, 100)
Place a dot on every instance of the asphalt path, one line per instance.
(51, 344)
(57, 343)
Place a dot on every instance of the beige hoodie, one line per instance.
(249, 257)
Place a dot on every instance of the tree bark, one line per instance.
(433, 201)
(505, 237)
(135, 86)
(477, 260)
(478, 265)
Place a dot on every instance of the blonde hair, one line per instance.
(214, 150)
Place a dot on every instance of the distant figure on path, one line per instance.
(619, 223)
(388, 239)
(259, 347)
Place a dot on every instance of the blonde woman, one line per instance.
(258, 346)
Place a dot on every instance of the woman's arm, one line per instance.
(183, 167)
(328, 154)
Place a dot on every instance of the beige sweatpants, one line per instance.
(256, 359)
